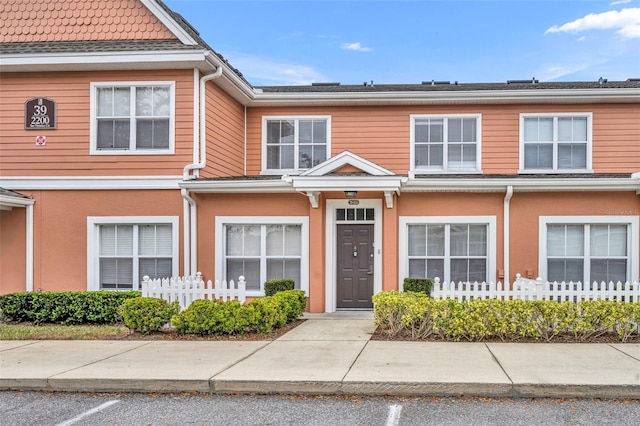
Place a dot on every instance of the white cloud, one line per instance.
(625, 21)
(355, 46)
(619, 2)
(262, 71)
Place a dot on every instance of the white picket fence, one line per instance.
(526, 289)
(187, 289)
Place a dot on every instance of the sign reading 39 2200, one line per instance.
(40, 113)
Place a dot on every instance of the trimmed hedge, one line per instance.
(261, 315)
(421, 317)
(274, 286)
(418, 285)
(147, 314)
(65, 307)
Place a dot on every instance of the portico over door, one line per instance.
(355, 266)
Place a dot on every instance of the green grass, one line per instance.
(61, 332)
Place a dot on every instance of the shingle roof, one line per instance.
(93, 46)
(455, 87)
(14, 194)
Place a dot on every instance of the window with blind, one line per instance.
(263, 252)
(132, 118)
(555, 142)
(262, 248)
(122, 250)
(588, 252)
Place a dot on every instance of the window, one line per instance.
(555, 142)
(295, 144)
(136, 118)
(261, 249)
(445, 143)
(123, 250)
(594, 250)
(452, 249)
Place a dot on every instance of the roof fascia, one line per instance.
(231, 82)
(104, 60)
(237, 186)
(169, 22)
(521, 185)
(568, 96)
(36, 183)
(10, 201)
(343, 183)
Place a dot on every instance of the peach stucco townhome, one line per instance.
(128, 147)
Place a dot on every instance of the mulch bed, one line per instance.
(171, 334)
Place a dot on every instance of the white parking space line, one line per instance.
(88, 413)
(393, 419)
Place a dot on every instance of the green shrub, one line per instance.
(65, 307)
(272, 287)
(147, 314)
(418, 285)
(507, 320)
(293, 302)
(267, 313)
(210, 317)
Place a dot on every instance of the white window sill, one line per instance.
(130, 152)
(418, 172)
(554, 172)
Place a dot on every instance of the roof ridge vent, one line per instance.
(436, 82)
(532, 81)
(326, 84)
(633, 79)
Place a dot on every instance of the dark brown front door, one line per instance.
(355, 266)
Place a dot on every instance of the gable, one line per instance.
(79, 20)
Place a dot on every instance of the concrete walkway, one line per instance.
(327, 354)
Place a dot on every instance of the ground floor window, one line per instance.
(123, 250)
(455, 249)
(589, 249)
(261, 249)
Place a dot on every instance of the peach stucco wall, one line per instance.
(60, 228)
(12, 250)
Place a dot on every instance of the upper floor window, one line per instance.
(555, 142)
(445, 143)
(295, 144)
(132, 118)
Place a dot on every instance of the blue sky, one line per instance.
(409, 41)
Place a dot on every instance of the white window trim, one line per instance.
(633, 239)
(403, 238)
(303, 221)
(94, 120)
(413, 170)
(297, 118)
(93, 242)
(588, 169)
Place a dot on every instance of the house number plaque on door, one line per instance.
(40, 113)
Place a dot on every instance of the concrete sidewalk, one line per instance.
(327, 354)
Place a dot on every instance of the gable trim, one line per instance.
(347, 158)
(168, 21)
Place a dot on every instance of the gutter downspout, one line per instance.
(507, 226)
(29, 243)
(189, 208)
